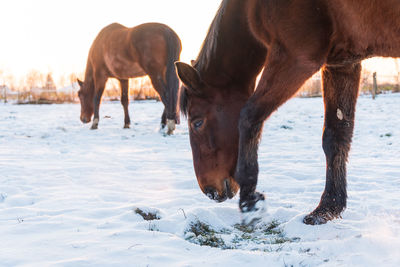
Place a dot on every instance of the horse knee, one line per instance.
(249, 123)
(337, 139)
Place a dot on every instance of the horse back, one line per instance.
(123, 52)
(340, 29)
(372, 27)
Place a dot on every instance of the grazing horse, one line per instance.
(290, 41)
(122, 53)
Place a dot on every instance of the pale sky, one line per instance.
(55, 35)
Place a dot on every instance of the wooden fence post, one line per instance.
(375, 86)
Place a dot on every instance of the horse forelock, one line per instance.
(183, 101)
(209, 47)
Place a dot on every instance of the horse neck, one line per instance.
(230, 53)
(89, 79)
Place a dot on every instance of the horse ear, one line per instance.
(188, 75)
(80, 82)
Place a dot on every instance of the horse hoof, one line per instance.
(127, 126)
(94, 127)
(249, 203)
(253, 210)
(171, 126)
(320, 217)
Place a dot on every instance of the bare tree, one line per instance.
(10, 81)
(72, 78)
(50, 85)
(365, 80)
(62, 81)
(34, 79)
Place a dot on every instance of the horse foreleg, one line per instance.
(340, 96)
(99, 89)
(282, 77)
(125, 101)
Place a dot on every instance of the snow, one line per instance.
(68, 195)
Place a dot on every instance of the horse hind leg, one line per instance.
(340, 85)
(125, 101)
(160, 86)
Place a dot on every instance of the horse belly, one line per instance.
(368, 30)
(130, 70)
(122, 68)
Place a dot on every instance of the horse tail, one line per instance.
(174, 48)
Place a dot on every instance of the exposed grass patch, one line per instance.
(386, 135)
(204, 235)
(148, 216)
(263, 237)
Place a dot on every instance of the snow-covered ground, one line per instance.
(70, 196)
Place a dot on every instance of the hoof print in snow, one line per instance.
(148, 215)
(62, 129)
(286, 127)
(2, 197)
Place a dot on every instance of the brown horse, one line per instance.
(122, 53)
(291, 40)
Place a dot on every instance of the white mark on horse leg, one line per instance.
(95, 124)
(171, 126)
(339, 114)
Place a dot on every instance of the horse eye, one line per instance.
(197, 124)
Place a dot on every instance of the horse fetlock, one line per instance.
(171, 126)
(253, 210)
(251, 202)
(95, 124)
(322, 215)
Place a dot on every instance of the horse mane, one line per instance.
(207, 52)
(209, 46)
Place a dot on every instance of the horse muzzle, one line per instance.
(229, 191)
(85, 119)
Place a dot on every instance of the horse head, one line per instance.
(213, 114)
(86, 98)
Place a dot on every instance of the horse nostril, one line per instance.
(213, 194)
(84, 120)
(228, 189)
